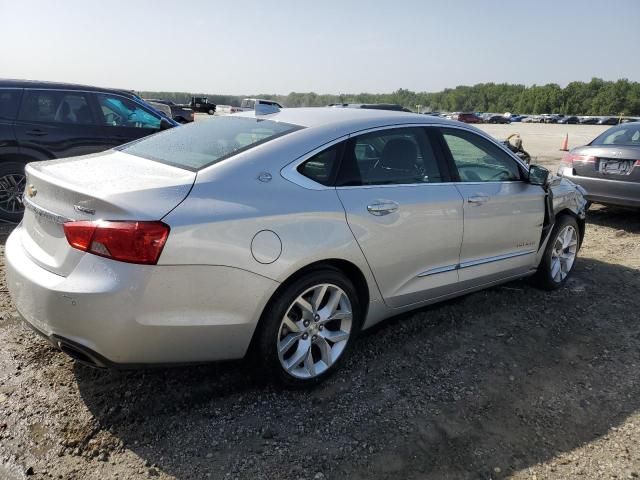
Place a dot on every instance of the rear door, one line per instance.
(57, 123)
(406, 218)
(122, 119)
(503, 214)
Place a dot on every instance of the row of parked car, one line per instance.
(476, 117)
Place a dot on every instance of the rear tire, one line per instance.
(307, 330)
(12, 185)
(560, 254)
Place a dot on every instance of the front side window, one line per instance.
(119, 111)
(9, 102)
(478, 160)
(389, 157)
(52, 106)
(201, 144)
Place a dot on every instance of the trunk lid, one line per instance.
(111, 185)
(611, 163)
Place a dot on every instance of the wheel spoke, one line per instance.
(337, 316)
(309, 364)
(555, 268)
(290, 324)
(299, 356)
(318, 295)
(305, 306)
(325, 351)
(334, 301)
(287, 342)
(334, 336)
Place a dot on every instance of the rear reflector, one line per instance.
(131, 242)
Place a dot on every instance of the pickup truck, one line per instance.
(201, 104)
(180, 113)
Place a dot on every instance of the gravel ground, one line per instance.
(510, 382)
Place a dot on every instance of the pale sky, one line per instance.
(326, 46)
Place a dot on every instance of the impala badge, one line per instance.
(80, 208)
(31, 190)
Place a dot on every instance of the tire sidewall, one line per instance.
(266, 352)
(544, 271)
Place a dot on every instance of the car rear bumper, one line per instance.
(116, 313)
(602, 190)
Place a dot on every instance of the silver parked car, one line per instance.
(278, 236)
(609, 167)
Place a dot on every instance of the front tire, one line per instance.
(307, 330)
(211, 111)
(559, 255)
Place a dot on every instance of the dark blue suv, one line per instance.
(43, 120)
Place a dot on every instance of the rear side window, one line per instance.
(201, 144)
(52, 106)
(9, 102)
(321, 167)
(390, 157)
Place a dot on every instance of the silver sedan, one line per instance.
(278, 236)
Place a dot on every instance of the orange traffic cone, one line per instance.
(565, 144)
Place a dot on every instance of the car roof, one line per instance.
(16, 83)
(350, 119)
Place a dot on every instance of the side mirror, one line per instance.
(165, 124)
(538, 175)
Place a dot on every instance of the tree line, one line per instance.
(597, 97)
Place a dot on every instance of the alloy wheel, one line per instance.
(563, 254)
(11, 191)
(314, 331)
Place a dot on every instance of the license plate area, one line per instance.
(615, 167)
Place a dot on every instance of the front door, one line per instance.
(503, 214)
(122, 120)
(407, 221)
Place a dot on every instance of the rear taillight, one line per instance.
(637, 164)
(132, 242)
(571, 158)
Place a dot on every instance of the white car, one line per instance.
(279, 236)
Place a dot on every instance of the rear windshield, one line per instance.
(625, 134)
(206, 142)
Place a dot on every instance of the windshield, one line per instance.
(627, 134)
(204, 143)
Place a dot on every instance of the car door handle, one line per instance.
(36, 133)
(478, 199)
(382, 208)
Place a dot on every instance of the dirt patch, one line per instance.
(510, 382)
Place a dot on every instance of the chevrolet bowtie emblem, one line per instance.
(31, 191)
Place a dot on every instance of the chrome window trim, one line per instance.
(290, 172)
